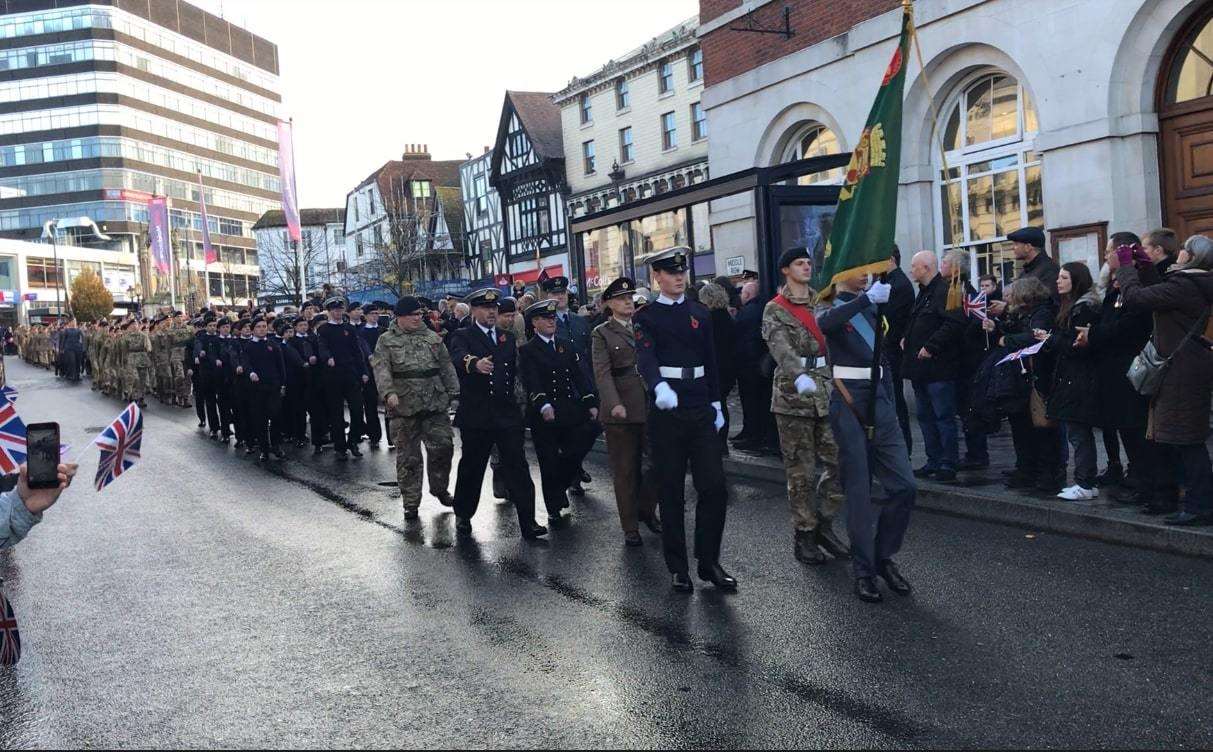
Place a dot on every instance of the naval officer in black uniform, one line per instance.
(488, 415)
(562, 407)
(676, 357)
(876, 526)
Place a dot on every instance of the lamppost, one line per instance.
(49, 230)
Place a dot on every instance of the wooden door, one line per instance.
(1187, 152)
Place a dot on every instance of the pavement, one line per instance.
(203, 600)
(982, 495)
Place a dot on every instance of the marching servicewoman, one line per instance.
(561, 407)
(623, 410)
(677, 359)
(801, 405)
(488, 416)
(876, 527)
(416, 381)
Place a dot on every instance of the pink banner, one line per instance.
(158, 235)
(286, 172)
(207, 248)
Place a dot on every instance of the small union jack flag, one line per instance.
(10, 637)
(9, 392)
(976, 306)
(12, 439)
(119, 445)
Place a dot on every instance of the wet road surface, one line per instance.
(204, 601)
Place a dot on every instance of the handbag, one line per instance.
(1040, 410)
(1149, 368)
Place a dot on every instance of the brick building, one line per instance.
(1084, 117)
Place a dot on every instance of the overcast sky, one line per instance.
(363, 78)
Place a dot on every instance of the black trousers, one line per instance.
(477, 445)
(758, 422)
(343, 388)
(1037, 450)
(225, 396)
(560, 451)
(294, 411)
(372, 426)
(678, 438)
(317, 407)
(899, 398)
(265, 402)
(206, 400)
(242, 410)
(199, 387)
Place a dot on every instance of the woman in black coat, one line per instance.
(1039, 462)
(1074, 398)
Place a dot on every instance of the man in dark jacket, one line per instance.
(345, 371)
(758, 432)
(932, 365)
(897, 312)
(1028, 245)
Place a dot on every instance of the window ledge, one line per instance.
(666, 95)
(587, 124)
(697, 83)
(699, 140)
(667, 151)
(624, 111)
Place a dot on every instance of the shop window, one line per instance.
(814, 140)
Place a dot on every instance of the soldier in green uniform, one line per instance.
(160, 352)
(136, 348)
(181, 341)
(801, 405)
(417, 382)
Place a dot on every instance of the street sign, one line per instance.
(734, 265)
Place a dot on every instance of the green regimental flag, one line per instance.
(861, 241)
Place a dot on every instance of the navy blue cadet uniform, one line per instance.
(263, 357)
(675, 348)
(298, 372)
(204, 353)
(369, 333)
(876, 529)
(488, 417)
(317, 406)
(553, 375)
(340, 343)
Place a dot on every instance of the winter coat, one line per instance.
(1016, 333)
(725, 332)
(936, 329)
(1114, 340)
(1074, 396)
(1179, 412)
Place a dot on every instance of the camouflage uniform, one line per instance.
(416, 367)
(179, 336)
(136, 347)
(160, 356)
(804, 430)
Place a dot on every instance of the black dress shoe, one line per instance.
(828, 540)
(317, 451)
(248, 449)
(652, 523)
(444, 498)
(924, 472)
(970, 465)
(277, 454)
(214, 435)
(585, 477)
(342, 456)
(1187, 519)
(354, 452)
(889, 573)
(1016, 481)
(533, 531)
(805, 549)
(632, 538)
(463, 525)
(945, 475)
(576, 490)
(1156, 507)
(682, 583)
(556, 519)
(411, 515)
(716, 575)
(865, 588)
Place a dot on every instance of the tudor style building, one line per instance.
(527, 170)
(484, 244)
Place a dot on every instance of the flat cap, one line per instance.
(1033, 236)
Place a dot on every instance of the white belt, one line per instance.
(670, 372)
(817, 363)
(853, 373)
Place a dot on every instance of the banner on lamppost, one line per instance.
(207, 249)
(286, 174)
(158, 234)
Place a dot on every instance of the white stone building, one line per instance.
(30, 286)
(289, 273)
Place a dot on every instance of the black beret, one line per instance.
(243, 324)
(489, 296)
(300, 320)
(407, 306)
(508, 305)
(382, 305)
(793, 254)
(426, 303)
(1033, 236)
(621, 287)
(225, 321)
(319, 318)
(555, 284)
(542, 308)
(354, 307)
(671, 260)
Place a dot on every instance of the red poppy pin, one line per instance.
(560, 349)
(501, 339)
(694, 323)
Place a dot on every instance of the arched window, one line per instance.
(1191, 73)
(992, 186)
(813, 140)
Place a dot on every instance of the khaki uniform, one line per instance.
(160, 355)
(804, 431)
(137, 347)
(619, 383)
(417, 369)
(179, 337)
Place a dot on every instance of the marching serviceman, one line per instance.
(138, 348)
(345, 371)
(677, 359)
(292, 417)
(416, 381)
(369, 331)
(205, 356)
(296, 406)
(801, 405)
(576, 329)
(623, 409)
(242, 413)
(561, 407)
(181, 342)
(488, 416)
(262, 362)
(876, 527)
(508, 320)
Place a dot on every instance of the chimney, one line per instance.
(416, 152)
(487, 149)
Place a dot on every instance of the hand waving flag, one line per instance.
(119, 445)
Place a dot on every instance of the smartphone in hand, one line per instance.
(42, 459)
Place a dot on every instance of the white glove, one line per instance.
(879, 292)
(719, 416)
(805, 384)
(666, 399)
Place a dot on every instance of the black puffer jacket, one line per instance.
(936, 329)
(1015, 331)
(1074, 397)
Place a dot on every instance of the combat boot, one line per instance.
(829, 541)
(805, 549)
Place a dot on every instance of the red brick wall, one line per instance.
(729, 53)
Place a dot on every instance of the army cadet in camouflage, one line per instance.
(801, 405)
(136, 348)
(160, 354)
(417, 382)
(180, 338)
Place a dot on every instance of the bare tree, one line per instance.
(285, 265)
(413, 245)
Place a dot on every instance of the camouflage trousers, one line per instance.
(136, 381)
(182, 387)
(810, 460)
(163, 378)
(408, 434)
